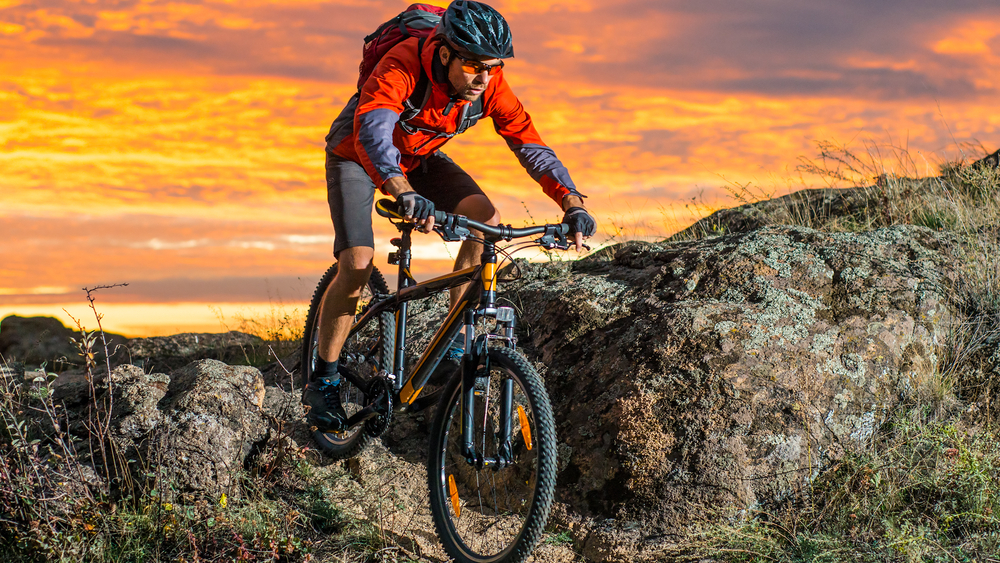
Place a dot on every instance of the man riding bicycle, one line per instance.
(370, 146)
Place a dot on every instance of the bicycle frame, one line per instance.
(478, 300)
(464, 312)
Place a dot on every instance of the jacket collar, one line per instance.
(431, 62)
(438, 73)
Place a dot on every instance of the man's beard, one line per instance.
(469, 96)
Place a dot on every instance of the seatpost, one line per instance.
(403, 280)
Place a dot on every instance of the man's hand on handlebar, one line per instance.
(581, 223)
(412, 205)
(418, 209)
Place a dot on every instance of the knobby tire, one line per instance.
(377, 337)
(502, 513)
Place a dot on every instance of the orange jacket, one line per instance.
(368, 129)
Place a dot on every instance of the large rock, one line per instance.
(196, 428)
(717, 375)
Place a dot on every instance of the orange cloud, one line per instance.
(970, 38)
(509, 7)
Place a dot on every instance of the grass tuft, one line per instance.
(928, 489)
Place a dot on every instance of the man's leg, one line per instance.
(478, 208)
(350, 193)
(322, 394)
(354, 266)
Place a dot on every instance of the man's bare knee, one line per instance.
(495, 219)
(479, 208)
(354, 266)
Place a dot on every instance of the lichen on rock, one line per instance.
(724, 373)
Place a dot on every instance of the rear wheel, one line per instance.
(364, 354)
(494, 513)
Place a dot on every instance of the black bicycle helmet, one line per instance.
(478, 29)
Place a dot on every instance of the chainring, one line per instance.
(380, 390)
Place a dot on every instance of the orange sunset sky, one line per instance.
(177, 145)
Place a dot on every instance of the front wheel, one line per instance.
(492, 513)
(365, 353)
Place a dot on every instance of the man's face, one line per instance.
(464, 85)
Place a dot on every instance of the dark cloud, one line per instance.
(870, 83)
(110, 44)
(664, 141)
(217, 290)
(305, 41)
(768, 47)
(185, 290)
(779, 48)
(84, 19)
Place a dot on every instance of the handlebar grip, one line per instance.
(390, 209)
(387, 208)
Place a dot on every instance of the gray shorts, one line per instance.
(351, 195)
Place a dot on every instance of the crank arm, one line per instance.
(361, 416)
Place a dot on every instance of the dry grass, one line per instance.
(279, 330)
(68, 493)
(928, 489)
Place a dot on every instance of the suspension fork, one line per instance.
(470, 361)
(476, 354)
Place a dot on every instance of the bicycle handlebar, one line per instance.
(455, 227)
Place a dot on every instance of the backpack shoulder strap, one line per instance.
(421, 92)
(471, 115)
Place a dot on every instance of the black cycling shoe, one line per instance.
(324, 410)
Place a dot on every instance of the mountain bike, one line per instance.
(492, 464)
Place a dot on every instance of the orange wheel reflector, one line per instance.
(525, 429)
(453, 493)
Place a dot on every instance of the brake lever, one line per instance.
(454, 228)
(557, 241)
(553, 239)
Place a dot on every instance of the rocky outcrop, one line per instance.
(34, 341)
(196, 428)
(172, 352)
(38, 340)
(690, 379)
(718, 375)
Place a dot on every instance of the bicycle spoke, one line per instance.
(370, 342)
(497, 502)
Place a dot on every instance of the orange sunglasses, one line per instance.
(472, 66)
